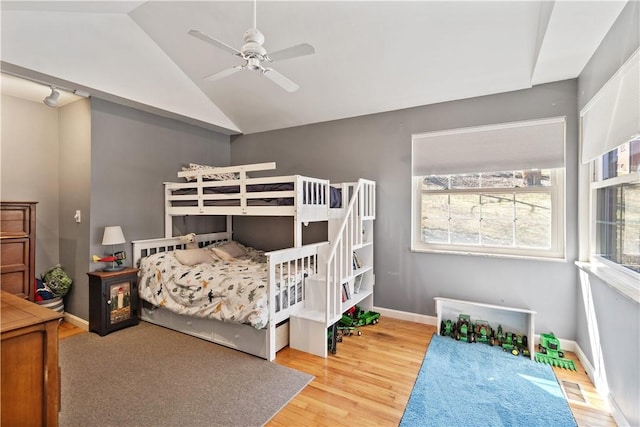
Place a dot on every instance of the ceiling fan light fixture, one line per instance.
(253, 64)
(254, 53)
(52, 99)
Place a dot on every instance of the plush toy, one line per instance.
(190, 240)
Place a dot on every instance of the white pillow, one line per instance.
(230, 250)
(195, 256)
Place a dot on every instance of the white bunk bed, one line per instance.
(305, 199)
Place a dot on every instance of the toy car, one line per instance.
(464, 328)
(482, 332)
(368, 318)
(551, 354)
(448, 328)
(510, 344)
(347, 325)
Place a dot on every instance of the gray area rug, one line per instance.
(146, 375)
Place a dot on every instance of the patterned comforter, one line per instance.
(233, 291)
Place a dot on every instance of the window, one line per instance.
(610, 138)
(517, 210)
(616, 206)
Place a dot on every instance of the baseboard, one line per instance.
(403, 315)
(614, 409)
(616, 412)
(76, 321)
(586, 363)
(566, 345)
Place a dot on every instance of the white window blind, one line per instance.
(612, 117)
(509, 146)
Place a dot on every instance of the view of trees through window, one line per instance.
(500, 209)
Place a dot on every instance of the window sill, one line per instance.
(621, 282)
(488, 255)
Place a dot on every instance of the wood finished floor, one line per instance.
(369, 380)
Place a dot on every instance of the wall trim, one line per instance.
(76, 321)
(616, 412)
(404, 315)
(614, 409)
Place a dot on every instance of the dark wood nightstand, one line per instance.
(113, 300)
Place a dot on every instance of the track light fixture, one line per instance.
(52, 99)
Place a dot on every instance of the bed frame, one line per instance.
(263, 343)
(310, 197)
(330, 262)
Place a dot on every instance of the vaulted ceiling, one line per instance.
(370, 56)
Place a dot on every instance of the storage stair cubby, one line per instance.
(349, 276)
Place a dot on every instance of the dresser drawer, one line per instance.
(15, 220)
(14, 254)
(17, 248)
(15, 282)
(14, 270)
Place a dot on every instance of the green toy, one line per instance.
(482, 332)
(368, 318)
(464, 328)
(355, 317)
(510, 344)
(348, 325)
(497, 338)
(550, 353)
(523, 344)
(447, 328)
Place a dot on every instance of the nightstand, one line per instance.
(113, 300)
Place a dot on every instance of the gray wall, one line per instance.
(75, 186)
(132, 154)
(617, 317)
(379, 147)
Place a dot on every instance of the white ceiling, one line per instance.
(371, 56)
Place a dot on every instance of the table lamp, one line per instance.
(113, 236)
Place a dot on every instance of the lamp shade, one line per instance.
(113, 235)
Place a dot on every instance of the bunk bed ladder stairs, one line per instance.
(325, 293)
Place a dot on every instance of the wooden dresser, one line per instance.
(30, 390)
(17, 246)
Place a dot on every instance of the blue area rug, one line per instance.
(463, 384)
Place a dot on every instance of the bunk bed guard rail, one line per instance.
(305, 198)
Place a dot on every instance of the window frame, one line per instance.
(624, 279)
(558, 218)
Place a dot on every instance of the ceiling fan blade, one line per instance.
(224, 73)
(291, 52)
(280, 80)
(217, 43)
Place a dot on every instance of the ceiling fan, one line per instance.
(254, 55)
